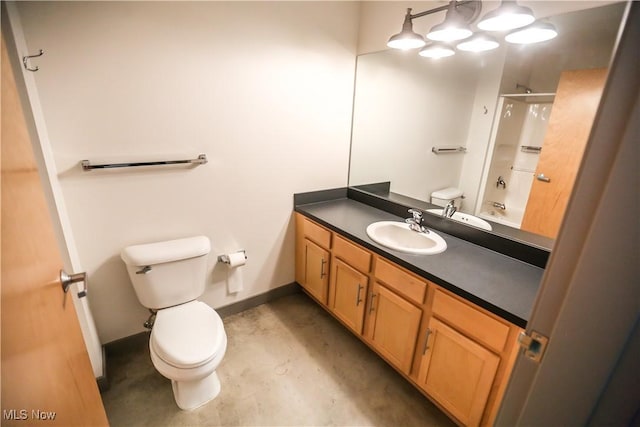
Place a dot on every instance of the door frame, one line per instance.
(589, 301)
(36, 125)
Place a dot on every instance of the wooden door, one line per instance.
(316, 268)
(574, 109)
(457, 372)
(348, 293)
(395, 326)
(46, 372)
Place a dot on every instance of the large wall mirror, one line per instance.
(480, 122)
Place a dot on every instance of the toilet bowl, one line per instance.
(188, 340)
(187, 344)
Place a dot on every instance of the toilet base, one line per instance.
(193, 394)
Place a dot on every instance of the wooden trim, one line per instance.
(299, 248)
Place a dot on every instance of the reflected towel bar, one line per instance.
(443, 150)
(530, 149)
(87, 166)
(519, 169)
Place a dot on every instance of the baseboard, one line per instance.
(103, 380)
(132, 342)
(257, 300)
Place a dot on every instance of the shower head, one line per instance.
(526, 88)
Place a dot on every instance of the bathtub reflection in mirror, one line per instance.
(497, 105)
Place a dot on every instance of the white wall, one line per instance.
(264, 89)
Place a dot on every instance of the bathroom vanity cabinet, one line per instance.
(349, 283)
(314, 271)
(456, 353)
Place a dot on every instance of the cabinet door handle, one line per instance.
(371, 305)
(358, 299)
(322, 273)
(426, 341)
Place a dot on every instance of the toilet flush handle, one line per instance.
(144, 270)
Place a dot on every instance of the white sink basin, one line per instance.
(398, 236)
(465, 219)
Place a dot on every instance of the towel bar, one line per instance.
(87, 166)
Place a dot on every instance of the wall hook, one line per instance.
(26, 58)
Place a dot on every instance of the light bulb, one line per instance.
(535, 33)
(436, 51)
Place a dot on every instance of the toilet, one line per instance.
(444, 196)
(187, 340)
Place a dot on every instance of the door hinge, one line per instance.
(534, 345)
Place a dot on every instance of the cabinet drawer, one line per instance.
(356, 257)
(470, 321)
(400, 281)
(316, 233)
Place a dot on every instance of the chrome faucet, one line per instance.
(415, 223)
(498, 205)
(449, 210)
(500, 182)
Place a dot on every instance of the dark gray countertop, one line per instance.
(503, 285)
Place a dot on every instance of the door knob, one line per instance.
(543, 178)
(69, 279)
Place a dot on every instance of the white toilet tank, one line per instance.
(444, 196)
(168, 273)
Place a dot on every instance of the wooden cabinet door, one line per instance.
(457, 372)
(574, 109)
(347, 294)
(394, 327)
(316, 271)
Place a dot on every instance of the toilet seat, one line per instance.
(187, 336)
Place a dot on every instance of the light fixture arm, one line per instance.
(411, 16)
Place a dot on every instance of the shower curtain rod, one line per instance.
(526, 95)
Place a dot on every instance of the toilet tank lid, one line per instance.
(167, 251)
(447, 193)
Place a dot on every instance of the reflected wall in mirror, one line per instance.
(498, 105)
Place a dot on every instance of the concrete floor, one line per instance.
(288, 363)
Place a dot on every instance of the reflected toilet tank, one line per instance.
(444, 196)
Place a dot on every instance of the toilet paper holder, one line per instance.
(225, 257)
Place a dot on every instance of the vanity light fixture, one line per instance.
(436, 50)
(534, 33)
(455, 27)
(480, 42)
(407, 38)
(508, 16)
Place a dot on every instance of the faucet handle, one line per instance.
(417, 214)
